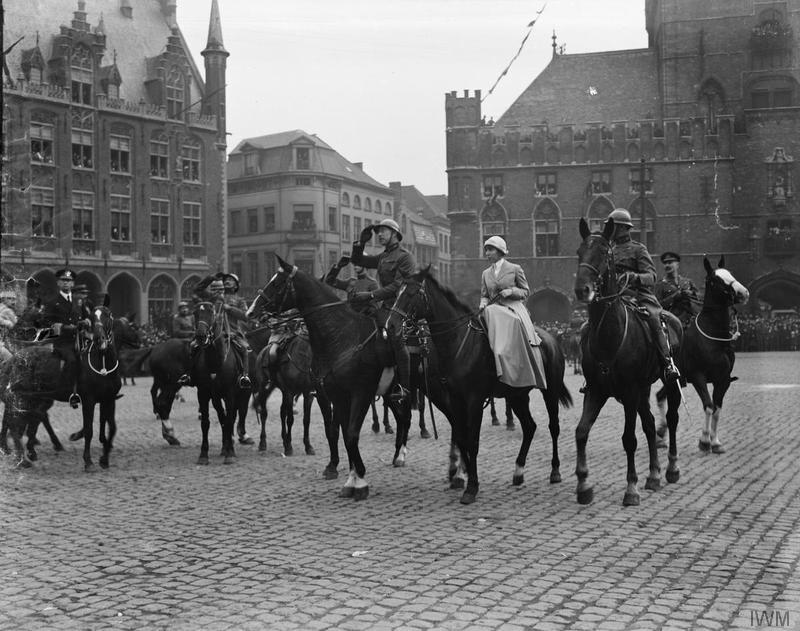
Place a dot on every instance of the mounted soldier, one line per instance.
(357, 284)
(183, 322)
(636, 277)
(676, 293)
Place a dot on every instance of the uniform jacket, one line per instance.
(394, 265)
(668, 292)
(183, 327)
(511, 276)
(61, 310)
(632, 256)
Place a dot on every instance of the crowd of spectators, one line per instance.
(759, 333)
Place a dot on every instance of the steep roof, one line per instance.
(419, 203)
(134, 39)
(279, 139)
(590, 87)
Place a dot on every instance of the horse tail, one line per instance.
(139, 358)
(564, 396)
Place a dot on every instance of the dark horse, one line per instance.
(470, 378)
(707, 354)
(293, 377)
(33, 379)
(619, 360)
(349, 355)
(215, 373)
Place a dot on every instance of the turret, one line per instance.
(215, 57)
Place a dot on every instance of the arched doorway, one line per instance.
(161, 302)
(779, 290)
(124, 292)
(549, 305)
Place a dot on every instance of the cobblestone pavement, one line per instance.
(158, 542)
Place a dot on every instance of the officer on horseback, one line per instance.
(63, 316)
(394, 265)
(676, 293)
(636, 276)
(359, 284)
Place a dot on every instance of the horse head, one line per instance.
(205, 317)
(595, 276)
(411, 302)
(721, 286)
(278, 294)
(126, 332)
(102, 325)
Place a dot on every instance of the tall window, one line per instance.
(160, 302)
(492, 185)
(191, 223)
(345, 228)
(252, 279)
(357, 226)
(388, 209)
(159, 221)
(637, 182)
(121, 154)
(368, 204)
(598, 213)
(190, 163)
(345, 199)
(493, 222)
(601, 182)
(81, 68)
(236, 264)
(546, 184)
(378, 206)
(175, 83)
(82, 139)
(82, 215)
(270, 264)
(41, 142)
(235, 226)
(303, 218)
(251, 163)
(159, 158)
(546, 228)
(357, 202)
(302, 158)
(42, 212)
(252, 220)
(332, 214)
(269, 219)
(120, 218)
(650, 230)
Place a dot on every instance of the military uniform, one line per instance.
(633, 259)
(393, 265)
(352, 286)
(183, 326)
(676, 294)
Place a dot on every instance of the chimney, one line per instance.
(359, 165)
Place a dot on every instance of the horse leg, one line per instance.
(456, 472)
(387, 425)
(520, 404)
(653, 482)
(701, 386)
(243, 401)
(45, 420)
(376, 426)
(107, 416)
(260, 406)
(493, 411)
(162, 398)
(661, 428)
(509, 416)
(423, 430)
(341, 413)
(402, 414)
(629, 442)
(287, 420)
(592, 404)
(203, 397)
(88, 422)
(226, 410)
(30, 432)
(720, 388)
(14, 423)
(359, 403)
(473, 409)
(308, 399)
(674, 397)
(554, 425)
(331, 425)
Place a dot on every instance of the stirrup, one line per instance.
(75, 400)
(184, 380)
(400, 394)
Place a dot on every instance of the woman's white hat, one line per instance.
(499, 243)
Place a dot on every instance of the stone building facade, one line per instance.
(113, 150)
(700, 130)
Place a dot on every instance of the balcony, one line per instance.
(771, 35)
(300, 233)
(781, 245)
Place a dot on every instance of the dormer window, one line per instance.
(82, 75)
(251, 163)
(302, 158)
(175, 93)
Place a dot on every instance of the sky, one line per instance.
(369, 77)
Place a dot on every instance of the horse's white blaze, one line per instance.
(741, 291)
(351, 479)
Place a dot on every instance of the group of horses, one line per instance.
(347, 357)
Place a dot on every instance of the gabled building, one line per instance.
(292, 194)
(698, 135)
(113, 149)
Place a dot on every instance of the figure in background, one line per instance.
(676, 293)
(359, 283)
(183, 322)
(8, 319)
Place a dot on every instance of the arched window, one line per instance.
(81, 67)
(546, 226)
(494, 222)
(378, 207)
(388, 209)
(356, 202)
(345, 199)
(650, 223)
(161, 302)
(368, 204)
(175, 93)
(598, 213)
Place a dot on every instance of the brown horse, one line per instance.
(619, 360)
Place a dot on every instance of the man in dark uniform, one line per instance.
(358, 284)
(676, 293)
(636, 276)
(183, 322)
(236, 308)
(62, 314)
(394, 265)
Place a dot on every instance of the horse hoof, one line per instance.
(57, 446)
(347, 491)
(653, 484)
(25, 464)
(518, 480)
(262, 446)
(457, 483)
(630, 499)
(229, 460)
(32, 455)
(495, 421)
(330, 473)
(389, 429)
(555, 476)
(718, 449)
(202, 460)
(424, 433)
(288, 451)
(585, 496)
(376, 428)
(89, 467)
(673, 476)
(361, 493)
(171, 440)
(468, 497)
(398, 463)
(74, 436)
(510, 427)
(104, 462)
(704, 445)
(310, 451)
(246, 440)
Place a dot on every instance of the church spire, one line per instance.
(215, 30)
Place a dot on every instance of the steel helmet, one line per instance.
(498, 243)
(621, 216)
(389, 223)
(232, 276)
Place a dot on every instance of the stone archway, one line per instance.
(162, 301)
(780, 289)
(124, 292)
(549, 305)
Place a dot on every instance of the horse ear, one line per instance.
(721, 261)
(284, 265)
(583, 228)
(707, 266)
(608, 230)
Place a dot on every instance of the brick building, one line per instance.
(113, 149)
(700, 130)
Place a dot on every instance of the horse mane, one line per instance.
(449, 294)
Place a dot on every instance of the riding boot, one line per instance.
(670, 371)
(244, 379)
(186, 378)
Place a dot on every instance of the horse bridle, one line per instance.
(107, 338)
